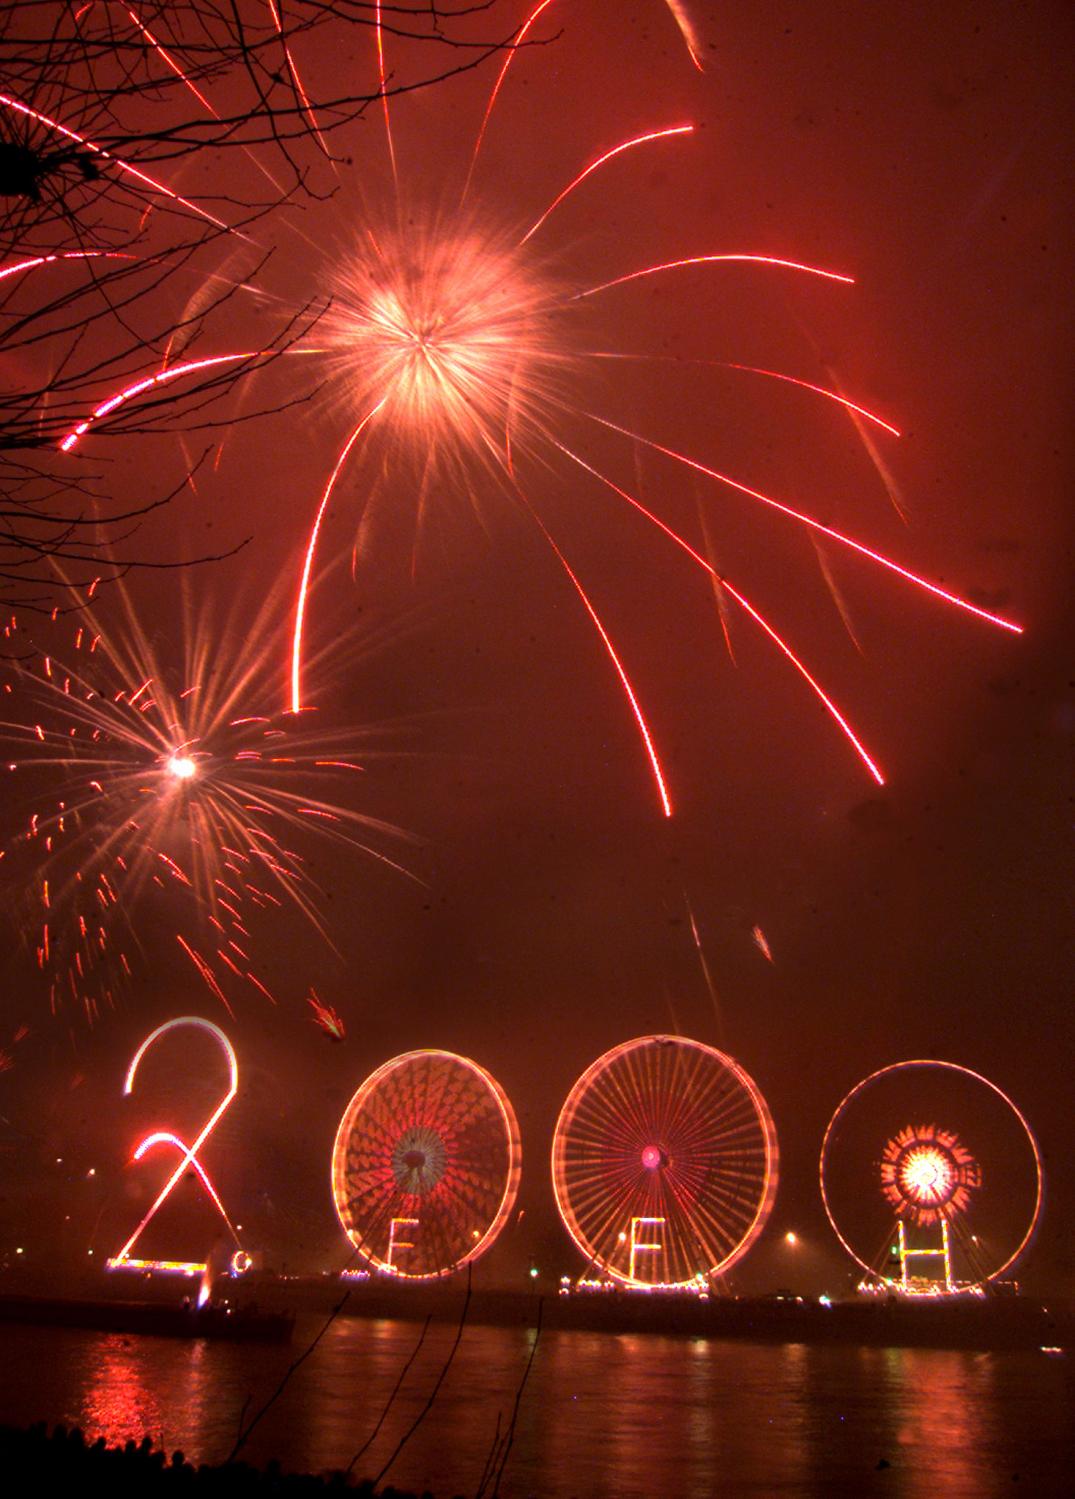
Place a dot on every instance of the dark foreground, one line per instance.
(64, 1462)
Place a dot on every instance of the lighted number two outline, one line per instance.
(189, 1153)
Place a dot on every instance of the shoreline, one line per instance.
(265, 1309)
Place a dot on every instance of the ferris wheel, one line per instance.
(664, 1162)
(426, 1164)
(931, 1179)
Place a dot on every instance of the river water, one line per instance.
(601, 1415)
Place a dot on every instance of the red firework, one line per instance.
(928, 1174)
(180, 784)
(456, 353)
(326, 1018)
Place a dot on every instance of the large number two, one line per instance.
(188, 1157)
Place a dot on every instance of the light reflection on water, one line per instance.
(602, 1415)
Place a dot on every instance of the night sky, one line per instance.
(920, 149)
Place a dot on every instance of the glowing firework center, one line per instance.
(180, 766)
(426, 1165)
(664, 1163)
(452, 333)
(927, 1174)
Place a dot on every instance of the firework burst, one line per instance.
(459, 349)
(928, 1174)
(185, 785)
(456, 332)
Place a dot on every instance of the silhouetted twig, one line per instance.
(490, 1459)
(518, 1399)
(244, 1435)
(391, 1399)
(424, 1412)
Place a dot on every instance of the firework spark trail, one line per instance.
(383, 80)
(123, 166)
(888, 479)
(675, 265)
(293, 73)
(744, 603)
(718, 592)
(28, 265)
(688, 31)
(206, 973)
(852, 407)
(638, 140)
(169, 61)
(816, 525)
(836, 593)
(636, 709)
(517, 40)
(163, 377)
(304, 581)
(714, 997)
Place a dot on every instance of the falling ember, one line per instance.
(761, 943)
(688, 31)
(326, 1018)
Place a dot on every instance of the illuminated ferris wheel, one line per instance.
(664, 1162)
(426, 1164)
(931, 1179)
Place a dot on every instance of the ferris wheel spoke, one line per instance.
(666, 1132)
(428, 1145)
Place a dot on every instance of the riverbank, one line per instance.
(263, 1308)
(62, 1461)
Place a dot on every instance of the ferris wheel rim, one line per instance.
(964, 1071)
(511, 1176)
(763, 1118)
